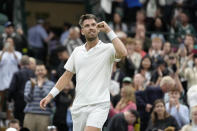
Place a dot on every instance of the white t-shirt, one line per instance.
(8, 66)
(93, 70)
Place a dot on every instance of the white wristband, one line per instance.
(111, 35)
(54, 92)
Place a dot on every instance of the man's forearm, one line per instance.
(121, 51)
(63, 81)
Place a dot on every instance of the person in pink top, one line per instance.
(127, 101)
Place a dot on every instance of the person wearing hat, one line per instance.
(159, 72)
(17, 35)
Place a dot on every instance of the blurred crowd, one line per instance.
(153, 89)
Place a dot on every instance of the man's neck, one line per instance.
(91, 44)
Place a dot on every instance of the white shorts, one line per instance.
(93, 115)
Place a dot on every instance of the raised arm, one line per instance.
(121, 50)
(62, 83)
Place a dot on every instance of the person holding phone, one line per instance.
(9, 61)
(92, 63)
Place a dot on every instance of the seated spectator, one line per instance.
(37, 119)
(179, 111)
(193, 125)
(185, 27)
(145, 70)
(117, 24)
(121, 121)
(158, 29)
(141, 35)
(138, 82)
(139, 48)
(73, 39)
(127, 101)
(132, 61)
(166, 49)
(190, 73)
(145, 99)
(127, 81)
(155, 50)
(14, 123)
(160, 119)
(159, 71)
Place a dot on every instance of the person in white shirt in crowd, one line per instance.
(73, 39)
(92, 63)
(9, 61)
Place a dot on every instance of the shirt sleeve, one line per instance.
(43, 34)
(113, 53)
(70, 64)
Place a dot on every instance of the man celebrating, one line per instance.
(92, 63)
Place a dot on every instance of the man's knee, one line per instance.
(90, 128)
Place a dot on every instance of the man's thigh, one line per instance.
(79, 118)
(98, 116)
(90, 128)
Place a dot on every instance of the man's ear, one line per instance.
(82, 31)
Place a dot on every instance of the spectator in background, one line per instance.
(158, 29)
(141, 35)
(184, 28)
(37, 119)
(14, 123)
(145, 99)
(127, 101)
(37, 37)
(155, 50)
(9, 61)
(139, 48)
(166, 49)
(18, 36)
(117, 25)
(132, 61)
(121, 121)
(140, 20)
(193, 125)
(65, 33)
(160, 119)
(32, 63)
(63, 101)
(179, 111)
(63, 57)
(189, 43)
(145, 70)
(73, 39)
(17, 86)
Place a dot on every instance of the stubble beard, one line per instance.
(91, 38)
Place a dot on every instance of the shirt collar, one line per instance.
(96, 46)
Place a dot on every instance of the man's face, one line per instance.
(41, 71)
(89, 29)
(189, 40)
(9, 30)
(63, 55)
(174, 94)
(131, 118)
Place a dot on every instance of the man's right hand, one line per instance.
(45, 101)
